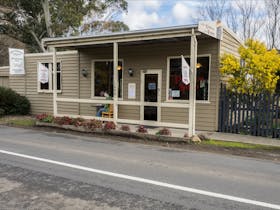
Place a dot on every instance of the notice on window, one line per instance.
(175, 93)
(16, 59)
(152, 86)
(43, 74)
(131, 91)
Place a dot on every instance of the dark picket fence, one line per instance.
(253, 114)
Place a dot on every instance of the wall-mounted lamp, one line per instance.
(130, 72)
(84, 72)
(198, 65)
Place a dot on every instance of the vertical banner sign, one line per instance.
(185, 71)
(43, 74)
(16, 59)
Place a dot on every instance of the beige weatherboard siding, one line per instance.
(146, 50)
(41, 102)
(4, 76)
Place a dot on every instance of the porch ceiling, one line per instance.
(131, 43)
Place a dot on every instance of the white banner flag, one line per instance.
(43, 75)
(185, 71)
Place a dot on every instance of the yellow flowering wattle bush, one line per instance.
(258, 72)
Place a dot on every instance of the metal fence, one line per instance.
(253, 114)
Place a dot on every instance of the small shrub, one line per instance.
(142, 129)
(110, 125)
(45, 118)
(78, 121)
(12, 103)
(125, 128)
(65, 120)
(93, 124)
(164, 132)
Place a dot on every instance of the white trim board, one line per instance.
(51, 53)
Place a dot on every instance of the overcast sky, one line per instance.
(144, 14)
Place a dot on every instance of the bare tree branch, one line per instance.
(273, 25)
(250, 22)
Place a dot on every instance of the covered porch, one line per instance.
(139, 86)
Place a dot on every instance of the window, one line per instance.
(178, 90)
(48, 86)
(103, 78)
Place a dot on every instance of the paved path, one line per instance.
(176, 132)
(32, 183)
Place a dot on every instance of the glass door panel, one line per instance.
(150, 95)
(151, 88)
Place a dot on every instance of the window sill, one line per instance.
(48, 91)
(104, 98)
(187, 101)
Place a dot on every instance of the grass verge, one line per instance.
(238, 145)
(25, 122)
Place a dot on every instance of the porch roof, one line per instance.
(122, 37)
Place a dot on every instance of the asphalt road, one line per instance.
(26, 183)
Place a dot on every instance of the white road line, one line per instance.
(148, 181)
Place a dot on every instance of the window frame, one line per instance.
(50, 90)
(168, 79)
(93, 78)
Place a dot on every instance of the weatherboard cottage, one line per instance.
(140, 70)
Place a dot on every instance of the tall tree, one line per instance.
(213, 9)
(231, 17)
(32, 20)
(250, 21)
(243, 17)
(273, 23)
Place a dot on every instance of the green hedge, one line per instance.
(12, 103)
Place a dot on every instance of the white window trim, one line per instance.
(93, 78)
(50, 90)
(168, 80)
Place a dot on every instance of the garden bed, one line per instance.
(114, 132)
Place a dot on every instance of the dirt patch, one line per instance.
(6, 185)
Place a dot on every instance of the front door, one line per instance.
(151, 84)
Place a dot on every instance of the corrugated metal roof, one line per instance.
(119, 36)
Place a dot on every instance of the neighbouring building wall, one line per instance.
(229, 44)
(43, 102)
(4, 76)
(154, 56)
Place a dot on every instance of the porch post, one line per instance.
(116, 83)
(54, 83)
(192, 97)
